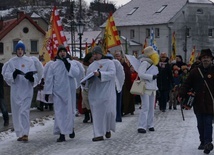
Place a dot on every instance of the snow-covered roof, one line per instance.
(150, 12)
(34, 15)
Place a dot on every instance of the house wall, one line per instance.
(198, 25)
(187, 17)
(17, 33)
(41, 23)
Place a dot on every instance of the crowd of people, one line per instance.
(105, 94)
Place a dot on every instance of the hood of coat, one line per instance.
(143, 57)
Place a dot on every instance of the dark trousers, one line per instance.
(205, 129)
(4, 110)
(163, 98)
(119, 107)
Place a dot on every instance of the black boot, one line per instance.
(41, 106)
(6, 118)
(61, 138)
(87, 117)
(51, 107)
(72, 135)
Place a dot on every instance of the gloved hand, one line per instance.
(16, 72)
(46, 97)
(29, 76)
(154, 77)
(67, 64)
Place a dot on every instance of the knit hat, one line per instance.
(205, 52)
(149, 51)
(97, 49)
(179, 56)
(61, 47)
(21, 45)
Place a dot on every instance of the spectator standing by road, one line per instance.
(164, 81)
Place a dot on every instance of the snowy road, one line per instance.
(173, 136)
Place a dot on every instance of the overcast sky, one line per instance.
(117, 2)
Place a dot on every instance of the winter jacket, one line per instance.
(203, 103)
(164, 80)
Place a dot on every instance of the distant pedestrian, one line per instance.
(3, 106)
(203, 105)
(21, 74)
(148, 72)
(164, 81)
(57, 82)
(102, 95)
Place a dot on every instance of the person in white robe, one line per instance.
(21, 74)
(40, 94)
(102, 95)
(119, 81)
(58, 83)
(147, 72)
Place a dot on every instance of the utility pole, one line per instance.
(72, 28)
(185, 45)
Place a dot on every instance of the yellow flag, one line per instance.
(111, 37)
(44, 54)
(192, 56)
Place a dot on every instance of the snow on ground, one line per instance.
(36, 125)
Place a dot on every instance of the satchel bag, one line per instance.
(138, 87)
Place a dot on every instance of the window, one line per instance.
(132, 34)
(1, 48)
(188, 32)
(133, 10)
(157, 33)
(161, 9)
(34, 47)
(14, 45)
(210, 32)
(148, 33)
(199, 11)
(25, 30)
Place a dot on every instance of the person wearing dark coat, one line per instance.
(2, 101)
(128, 105)
(203, 102)
(164, 81)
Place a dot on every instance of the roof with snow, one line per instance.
(7, 25)
(150, 12)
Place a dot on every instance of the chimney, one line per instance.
(20, 14)
(1, 23)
